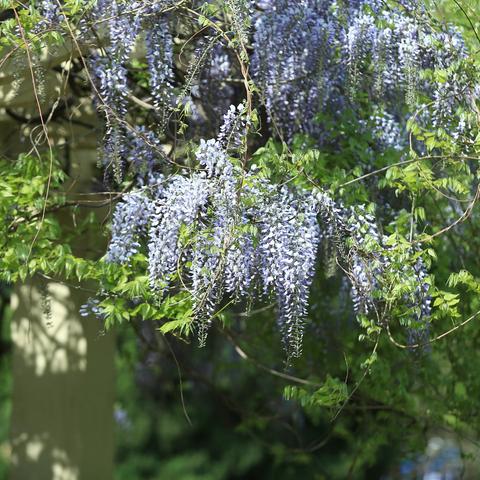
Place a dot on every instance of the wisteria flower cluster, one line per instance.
(297, 64)
(245, 234)
(367, 257)
(125, 22)
(308, 58)
(223, 233)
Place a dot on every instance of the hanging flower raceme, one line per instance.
(312, 57)
(124, 23)
(244, 235)
(223, 233)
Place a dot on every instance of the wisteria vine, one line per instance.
(216, 225)
(247, 238)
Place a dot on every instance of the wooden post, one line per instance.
(63, 367)
(63, 389)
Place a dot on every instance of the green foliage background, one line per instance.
(347, 408)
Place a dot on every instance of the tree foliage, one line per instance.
(303, 167)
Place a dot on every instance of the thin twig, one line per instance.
(435, 339)
(272, 371)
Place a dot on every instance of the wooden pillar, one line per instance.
(62, 425)
(63, 389)
(63, 368)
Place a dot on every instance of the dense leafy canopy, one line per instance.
(308, 165)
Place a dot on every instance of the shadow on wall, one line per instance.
(63, 388)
